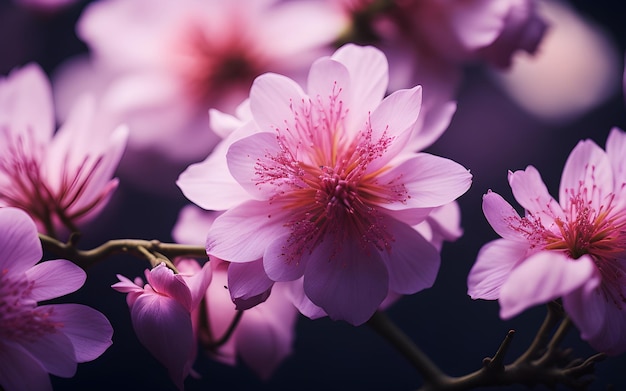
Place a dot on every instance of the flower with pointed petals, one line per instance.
(161, 315)
(62, 180)
(332, 187)
(574, 248)
(37, 340)
(263, 335)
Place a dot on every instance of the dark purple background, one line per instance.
(489, 135)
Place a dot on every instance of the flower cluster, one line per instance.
(301, 146)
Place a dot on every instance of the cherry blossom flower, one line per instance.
(39, 339)
(263, 336)
(160, 72)
(62, 180)
(574, 249)
(161, 315)
(331, 186)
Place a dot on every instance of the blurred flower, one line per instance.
(263, 335)
(161, 315)
(573, 49)
(160, 65)
(331, 186)
(574, 249)
(62, 180)
(37, 340)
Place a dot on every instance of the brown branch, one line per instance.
(145, 249)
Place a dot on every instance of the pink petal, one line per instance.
(502, 217)
(164, 281)
(164, 327)
(369, 77)
(54, 351)
(446, 221)
(20, 370)
(221, 311)
(27, 95)
(247, 280)
(197, 283)
(542, 277)
(245, 156)
(192, 225)
(532, 194)
(328, 78)
(587, 164)
(242, 233)
(433, 122)
(612, 338)
(494, 264)
(588, 309)
(281, 262)
(301, 301)
(430, 181)
(271, 96)
(55, 278)
(412, 262)
(88, 330)
(478, 23)
(616, 150)
(346, 280)
(20, 247)
(265, 334)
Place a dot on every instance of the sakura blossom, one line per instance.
(573, 249)
(161, 72)
(333, 187)
(161, 315)
(37, 340)
(263, 335)
(63, 179)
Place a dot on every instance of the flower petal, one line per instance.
(502, 217)
(347, 281)
(54, 351)
(88, 330)
(430, 181)
(55, 278)
(256, 225)
(20, 370)
(412, 262)
(616, 150)
(588, 166)
(163, 326)
(164, 281)
(20, 247)
(281, 260)
(493, 266)
(271, 96)
(542, 277)
(247, 281)
(532, 194)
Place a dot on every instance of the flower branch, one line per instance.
(542, 363)
(152, 250)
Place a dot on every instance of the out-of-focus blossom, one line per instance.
(331, 188)
(37, 340)
(574, 248)
(574, 49)
(263, 336)
(161, 315)
(160, 65)
(62, 180)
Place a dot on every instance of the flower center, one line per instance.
(20, 318)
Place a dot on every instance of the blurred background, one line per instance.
(533, 115)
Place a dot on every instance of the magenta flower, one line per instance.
(161, 315)
(574, 249)
(62, 180)
(263, 336)
(333, 187)
(160, 72)
(37, 340)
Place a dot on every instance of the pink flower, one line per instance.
(62, 180)
(160, 72)
(574, 249)
(332, 187)
(161, 315)
(264, 334)
(37, 340)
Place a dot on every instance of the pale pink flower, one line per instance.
(161, 315)
(574, 248)
(160, 65)
(39, 339)
(264, 334)
(331, 186)
(62, 180)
